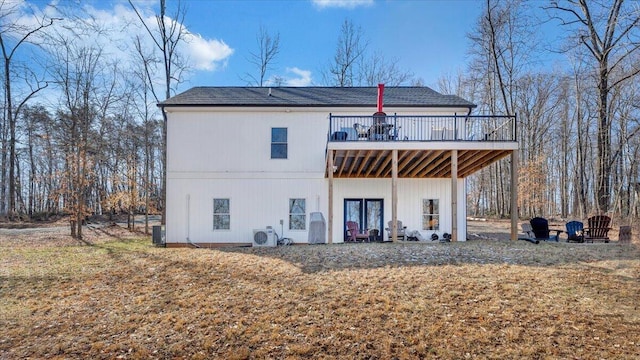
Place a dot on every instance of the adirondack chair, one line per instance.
(401, 231)
(541, 229)
(598, 228)
(575, 231)
(528, 234)
(353, 231)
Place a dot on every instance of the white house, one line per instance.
(244, 158)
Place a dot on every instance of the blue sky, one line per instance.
(428, 37)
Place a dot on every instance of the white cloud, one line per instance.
(119, 26)
(302, 77)
(207, 54)
(347, 4)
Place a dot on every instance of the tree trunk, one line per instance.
(603, 172)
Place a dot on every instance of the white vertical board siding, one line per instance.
(410, 195)
(254, 204)
(257, 203)
(207, 141)
(226, 153)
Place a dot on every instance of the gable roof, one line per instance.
(314, 97)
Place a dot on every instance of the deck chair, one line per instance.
(597, 228)
(575, 231)
(540, 227)
(528, 234)
(402, 231)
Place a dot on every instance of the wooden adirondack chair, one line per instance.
(353, 231)
(402, 231)
(575, 231)
(598, 228)
(528, 234)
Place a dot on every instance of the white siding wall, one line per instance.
(254, 204)
(240, 142)
(410, 195)
(214, 153)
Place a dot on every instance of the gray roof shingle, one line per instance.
(314, 97)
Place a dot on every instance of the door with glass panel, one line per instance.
(368, 213)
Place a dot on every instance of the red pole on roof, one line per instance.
(380, 96)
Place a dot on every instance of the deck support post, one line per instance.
(394, 195)
(454, 195)
(330, 204)
(514, 195)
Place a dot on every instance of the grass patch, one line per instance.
(480, 299)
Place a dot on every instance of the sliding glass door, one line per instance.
(368, 213)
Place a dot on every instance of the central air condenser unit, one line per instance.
(264, 237)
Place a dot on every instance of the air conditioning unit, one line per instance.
(264, 237)
(158, 235)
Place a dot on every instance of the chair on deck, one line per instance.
(540, 227)
(402, 231)
(597, 228)
(353, 231)
(575, 231)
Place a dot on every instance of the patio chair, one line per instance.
(597, 228)
(528, 234)
(575, 231)
(402, 231)
(353, 232)
(540, 227)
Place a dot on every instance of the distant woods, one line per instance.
(578, 125)
(80, 132)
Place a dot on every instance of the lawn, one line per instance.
(120, 297)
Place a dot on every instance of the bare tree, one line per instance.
(78, 81)
(353, 65)
(350, 49)
(142, 89)
(12, 36)
(263, 59)
(610, 34)
(166, 37)
(500, 51)
(376, 69)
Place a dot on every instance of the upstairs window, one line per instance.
(278, 143)
(430, 214)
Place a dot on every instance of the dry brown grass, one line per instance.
(123, 298)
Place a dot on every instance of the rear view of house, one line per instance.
(241, 159)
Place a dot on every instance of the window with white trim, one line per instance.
(221, 214)
(430, 214)
(279, 143)
(297, 214)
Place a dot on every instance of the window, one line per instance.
(221, 214)
(430, 214)
(278, 143)
(297, 214)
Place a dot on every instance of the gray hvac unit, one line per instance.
(264, 237)
(158, 237)
(317, 228)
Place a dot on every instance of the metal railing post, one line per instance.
(455, 126)
(395, 127)
(330, 127)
